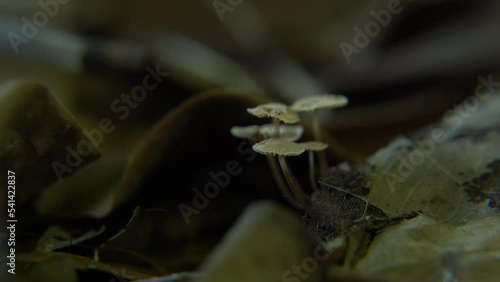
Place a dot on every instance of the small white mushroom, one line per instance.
(250, 132)
(314, 104)
(288, 132)
(257, 133)
(282, 148)
(277, 112)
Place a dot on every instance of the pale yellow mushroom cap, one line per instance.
(314, 145)
(256, 133)
(246, 132)
(318, 102)
(275, 110)
(288, 132)
(280, 147)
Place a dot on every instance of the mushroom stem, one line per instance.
(323, 161)
(292, 181)
(312, 176)
(281, 183)
(277, 124)
(316, 125)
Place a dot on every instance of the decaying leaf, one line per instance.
(432, 170)
(421, 249)
(40, 140)
(449, 174)
(265, 244)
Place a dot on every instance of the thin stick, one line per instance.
(277, 124)
(271, 160)
(323, 161)
(292, 181)
(312, 176)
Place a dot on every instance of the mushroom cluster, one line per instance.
(277, 141)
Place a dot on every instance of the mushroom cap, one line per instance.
(288, 132)
(318, 102)
(277, 146)
(313, 146)
(275, 110)
(246, 132)
(256, 133)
